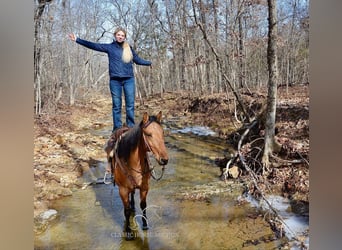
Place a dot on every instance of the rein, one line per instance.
(148, 159)
(152, 170)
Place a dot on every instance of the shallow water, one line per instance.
(294, 225)
(93, 218)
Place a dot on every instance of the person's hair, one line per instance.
(120, 29)
(127, 55)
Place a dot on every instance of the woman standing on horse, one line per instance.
(121, 57)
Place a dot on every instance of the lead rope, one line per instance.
(104, 179)
(152, 169)
(105, 175)
(149, 162)
(161, 176)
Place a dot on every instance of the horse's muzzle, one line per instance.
(163, 161)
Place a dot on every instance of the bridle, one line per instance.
(149, 149)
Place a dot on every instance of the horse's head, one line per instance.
(153, 134)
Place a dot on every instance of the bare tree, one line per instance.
(270, 142)
(167, 33)
(39, 10)
(220, 61)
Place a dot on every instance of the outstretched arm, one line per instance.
(90, 45)
(140, 61)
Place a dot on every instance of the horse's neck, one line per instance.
(137, 156)
(128, 143)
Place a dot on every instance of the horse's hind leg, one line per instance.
(143, 205)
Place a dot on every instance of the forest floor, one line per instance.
(63, 149)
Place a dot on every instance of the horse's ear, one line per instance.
(159, 117)
(145, 118)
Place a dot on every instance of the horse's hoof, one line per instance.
(129, 236)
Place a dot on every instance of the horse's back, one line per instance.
(113, 138)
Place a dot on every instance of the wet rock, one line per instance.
(54, 191)
(76, 149)
(48, 215)
(98, 125)
(67, 180)
(64, 192)
(42, 221)
(59, 139)
(234, 172)
(44, 140)
(300, 207)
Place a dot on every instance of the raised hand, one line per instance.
(72, 37)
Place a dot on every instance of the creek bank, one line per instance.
(64, 151)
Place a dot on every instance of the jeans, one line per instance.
(128, 85)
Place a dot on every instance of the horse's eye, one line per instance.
(148, 134)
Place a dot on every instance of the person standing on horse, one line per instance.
(121, 57)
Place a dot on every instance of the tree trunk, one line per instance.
(37, 53)
(240, 51)
(270, 143)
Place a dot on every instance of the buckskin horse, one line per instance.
(129, 162)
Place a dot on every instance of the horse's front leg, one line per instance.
(124, 194)
(132, 201)
(143, 205)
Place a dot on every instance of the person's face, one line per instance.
(120, 36)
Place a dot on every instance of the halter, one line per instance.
(149, 149)
(144, 138)
(146, 124)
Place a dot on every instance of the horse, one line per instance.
(129, 162)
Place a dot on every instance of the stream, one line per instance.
(189, 208)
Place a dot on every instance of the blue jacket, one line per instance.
(117, 68)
